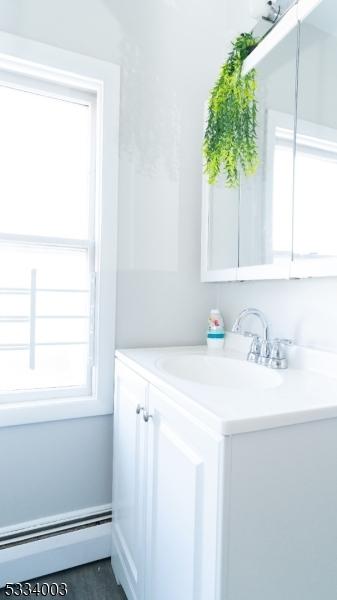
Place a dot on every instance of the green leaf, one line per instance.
(230, 143)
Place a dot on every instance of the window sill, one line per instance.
(41, 411)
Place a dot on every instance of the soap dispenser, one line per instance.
(216, 330)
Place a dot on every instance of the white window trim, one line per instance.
(57, 66)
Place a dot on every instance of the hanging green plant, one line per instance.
(230, 142)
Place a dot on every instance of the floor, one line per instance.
(88, 582)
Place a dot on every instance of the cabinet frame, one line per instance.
(293, 269)
(128, 567)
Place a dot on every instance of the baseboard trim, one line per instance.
(54, 553)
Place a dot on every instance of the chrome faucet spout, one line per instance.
(252, 312)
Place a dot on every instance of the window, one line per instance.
(46, 242)
(58, 191)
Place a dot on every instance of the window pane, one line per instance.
(62, 330)
(59, 304)
(61, 366)
(57, 366)
(14, 369)
(44, 157)
(46, 176)
(17, 305)
(56, 268)
(13, 333)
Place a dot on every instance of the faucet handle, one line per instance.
(255, 348)
(264, 352)
(256, 344)
(277, 347)
(278, 354)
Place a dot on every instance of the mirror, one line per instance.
(265, 224)
(281, 223)
(247, 232)
(315, 198)
(223, 224)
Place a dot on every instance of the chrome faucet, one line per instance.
(263, 351)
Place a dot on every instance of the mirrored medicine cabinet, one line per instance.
(282, 222)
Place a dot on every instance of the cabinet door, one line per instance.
(128, 529)
(184, 461)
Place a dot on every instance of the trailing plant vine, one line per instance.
(230, 142)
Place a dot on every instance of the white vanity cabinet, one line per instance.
(234, 507)
(165, 496)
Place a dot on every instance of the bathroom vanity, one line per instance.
(224, 482)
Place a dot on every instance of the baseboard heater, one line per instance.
(55, 546)
(43, 532)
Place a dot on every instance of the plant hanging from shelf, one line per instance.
(230, 142)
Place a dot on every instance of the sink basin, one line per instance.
(220, 371)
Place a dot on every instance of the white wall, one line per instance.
(170, 52)
(301, 310)
(54, 468)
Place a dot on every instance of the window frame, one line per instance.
(56, 68)
(83, 98)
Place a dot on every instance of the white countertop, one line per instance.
(307, 392)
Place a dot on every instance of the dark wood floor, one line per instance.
(94, 581)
